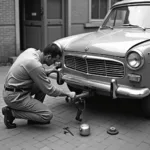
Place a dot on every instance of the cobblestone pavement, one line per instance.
(134, 129)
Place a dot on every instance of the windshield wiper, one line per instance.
(106, 26)
(136, 26)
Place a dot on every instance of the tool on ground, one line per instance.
(84, 129)
(112, 131)
(67, 130)
(80, 103)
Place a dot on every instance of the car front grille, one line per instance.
(92, 66)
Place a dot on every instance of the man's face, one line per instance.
(52, 60)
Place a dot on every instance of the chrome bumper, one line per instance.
(115, 90)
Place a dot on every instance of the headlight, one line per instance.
(135, 59)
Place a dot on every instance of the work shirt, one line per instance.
(28, 69)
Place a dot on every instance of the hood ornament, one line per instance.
(86, 49)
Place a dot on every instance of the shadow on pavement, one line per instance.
(122, 106)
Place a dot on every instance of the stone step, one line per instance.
(12, 59)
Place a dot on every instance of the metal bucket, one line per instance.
(84, 129)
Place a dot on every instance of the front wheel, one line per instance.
(146, 106)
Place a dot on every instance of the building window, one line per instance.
(99, 8)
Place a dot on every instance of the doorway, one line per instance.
(42, 22)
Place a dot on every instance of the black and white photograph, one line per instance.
(74, 74)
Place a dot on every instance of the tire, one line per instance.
(71, 88)
(146, 106)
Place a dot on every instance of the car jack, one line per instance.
(80, 103)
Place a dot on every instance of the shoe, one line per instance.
(31, 122)
(8, 118)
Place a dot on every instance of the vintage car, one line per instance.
(115, 59)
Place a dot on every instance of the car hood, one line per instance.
(110, 42)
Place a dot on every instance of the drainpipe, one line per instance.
(69, 17)
(17, 25)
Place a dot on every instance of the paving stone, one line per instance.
(68, 146)
(31, 141)
(60, 142)
(58, 123)
(128, 139)
(135, 134)
(76, 142)
(143, 127)
(143, 146)
(45, 148)
(113, 147)
(53, 139)
(5, 148)
(27, 146)
(46, 142)
(60, 135)
(112, 140)
(93, 148)
(14, 132)
(97, 145)
(101, 137)
(6, 141)
(39, 145)
(128, 146)
(16, 148)
(4, 136)
(81, 147)
(55, 147)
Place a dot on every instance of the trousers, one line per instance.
(28, 104)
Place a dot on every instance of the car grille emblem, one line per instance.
(86, 49)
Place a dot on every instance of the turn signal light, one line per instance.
(134, 77)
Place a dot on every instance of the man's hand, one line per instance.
(50, 70)
(58, 65)
(53, 67)
(72, 95)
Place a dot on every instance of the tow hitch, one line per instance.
(80, 103)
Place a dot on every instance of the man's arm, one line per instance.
(43, 82)
(49, 70)
(53, 67)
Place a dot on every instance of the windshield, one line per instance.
(128, 16)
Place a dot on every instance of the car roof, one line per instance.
(130, 2)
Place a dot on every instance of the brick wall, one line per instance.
(7, 29)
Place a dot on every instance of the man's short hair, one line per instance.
(53, 50)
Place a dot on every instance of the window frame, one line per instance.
(90, 11)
